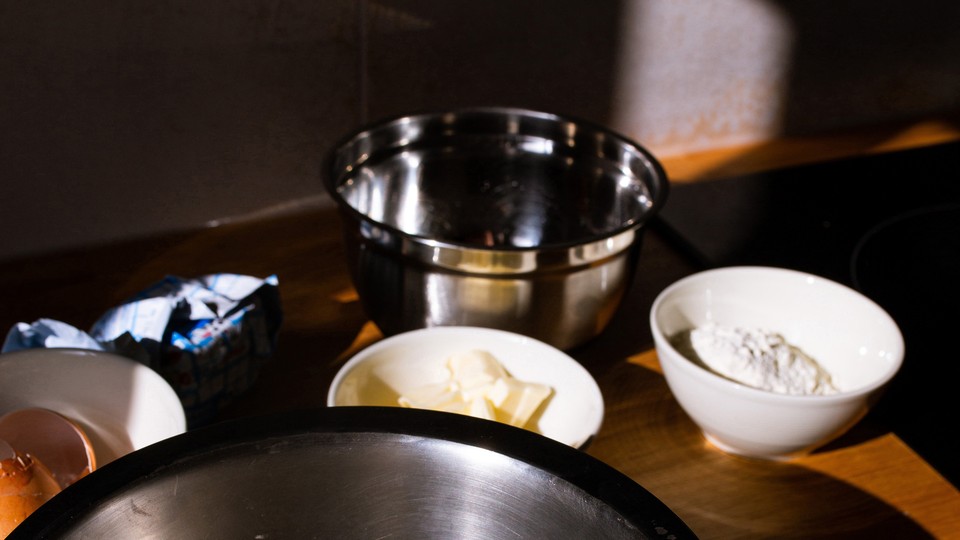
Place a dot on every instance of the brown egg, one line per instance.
(52, 438)
(25, 484)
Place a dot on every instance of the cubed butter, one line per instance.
(474, 373)
(430, 396)
(479, 386)
(516, 401)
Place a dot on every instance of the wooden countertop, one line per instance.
(867, 484)
(798, 150)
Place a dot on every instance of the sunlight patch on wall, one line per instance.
(695, 75)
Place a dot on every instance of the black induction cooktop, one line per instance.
(887, 225)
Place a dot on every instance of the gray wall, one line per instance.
(124, 119)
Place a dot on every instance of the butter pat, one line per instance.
(432, 396)
(479, 386)
(516, 401)
(474, 372)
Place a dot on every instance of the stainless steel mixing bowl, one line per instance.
(355, 472)
(503, 218)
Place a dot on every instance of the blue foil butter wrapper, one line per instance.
(208, 337)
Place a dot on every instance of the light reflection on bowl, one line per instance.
(501, 218)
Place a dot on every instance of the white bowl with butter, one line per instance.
(416, 366)
(849, 337)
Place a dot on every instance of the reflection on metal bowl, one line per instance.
(356, 472)
(503, 218)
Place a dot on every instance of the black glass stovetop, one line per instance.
(887, 225)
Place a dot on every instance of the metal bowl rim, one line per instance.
(659, 183)
(633, 502)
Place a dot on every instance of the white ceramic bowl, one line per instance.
(857, 342)
(121, 405)
(382, 372)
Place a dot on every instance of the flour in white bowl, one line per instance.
(757, 358)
